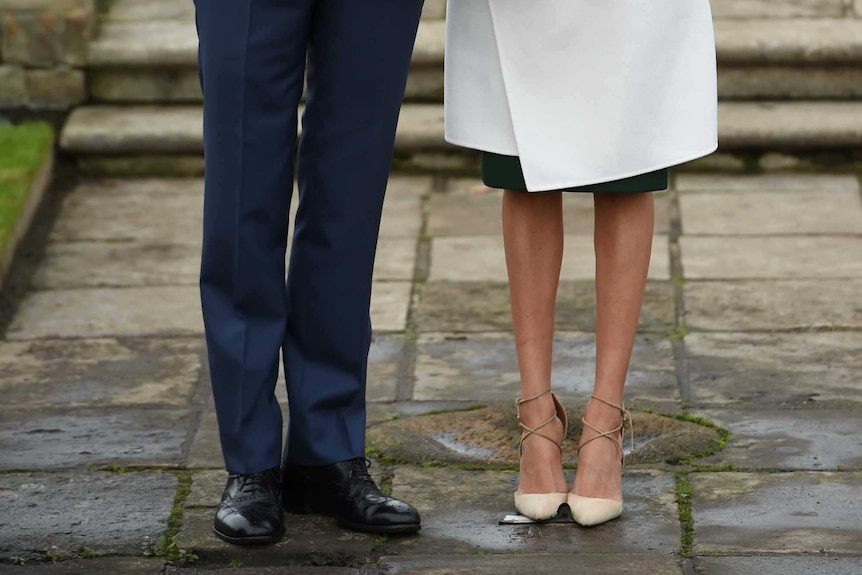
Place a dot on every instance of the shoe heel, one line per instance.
(294, 495)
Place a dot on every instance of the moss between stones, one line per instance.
(684, 494)
(169, 547)
(175, 519)
(724, 436)
(487, 438)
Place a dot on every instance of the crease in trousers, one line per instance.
(253, 56)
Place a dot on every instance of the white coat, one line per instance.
(584, 91)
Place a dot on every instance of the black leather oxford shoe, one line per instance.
(250, 511)
(346, 491)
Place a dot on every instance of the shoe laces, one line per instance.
(251, 482)
(360, 471)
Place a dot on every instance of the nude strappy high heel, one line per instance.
(540, 506)
(588, 511)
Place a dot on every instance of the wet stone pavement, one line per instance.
(746, 379)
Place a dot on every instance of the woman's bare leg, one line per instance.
(623, 241)
(533, 237)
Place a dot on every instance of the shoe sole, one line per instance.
(403, 529)
(260, 540)
(400, 529)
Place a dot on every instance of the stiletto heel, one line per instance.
(540, 506)
(589, 511)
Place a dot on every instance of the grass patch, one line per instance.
(23, 148)
(683, 497)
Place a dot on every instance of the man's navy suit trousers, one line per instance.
(255, 56)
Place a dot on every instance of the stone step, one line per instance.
(140, 61)
(116, 131)
(156, 62)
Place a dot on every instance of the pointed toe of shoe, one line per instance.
(589, 511)
(539, 506)
(250, 525)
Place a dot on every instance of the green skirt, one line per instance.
(505, 172)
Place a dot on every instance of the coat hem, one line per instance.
(628, 174)
(604, 179)
(482, 148)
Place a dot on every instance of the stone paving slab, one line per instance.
(809, 40)
(206, 490)
(467, 208)
(396, 259)
(482, 258)
(112, 130)
(123, 210)
(168, 165)
(402, 209)
(773, 305)
(461, 509)
(42, 438)
(168, 311)
(789, 81)
(800, 512)
(383, 358)
(770, 213)
(133, 41)
(777, 9)
(484, 306)
(484, 367)
(786, 257)
(390, 302)
(812, 439)
(310, 540)
(150, 10)
(839, 183)
(773, 368)
(791, 125)
(563, 564)
(99, 312)
(284, 570)
(117, 264)
(146, 34)
(205, 449)
(62, 512)
(156, 85)
(102, 565)
(795, 565)
(102, 372)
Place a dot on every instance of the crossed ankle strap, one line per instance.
(528, 431)
(620, 429)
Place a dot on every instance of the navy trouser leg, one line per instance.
(252, 60)
(358, 59)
